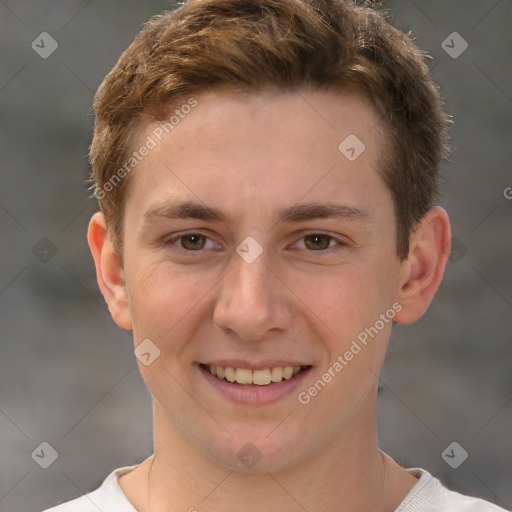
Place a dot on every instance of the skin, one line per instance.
(250, 155)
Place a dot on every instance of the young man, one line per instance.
(266, 172)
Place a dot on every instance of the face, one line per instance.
(255, 243)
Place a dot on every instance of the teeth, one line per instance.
(229, 374)
(257, 377)
(243, 376)
(261, 377)
(288, 372)
(276, 374)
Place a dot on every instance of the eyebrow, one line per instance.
(295, 213)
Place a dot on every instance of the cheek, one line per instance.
(349, 301)
(344, 299)
(162, 297)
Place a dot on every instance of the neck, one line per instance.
(350, 475)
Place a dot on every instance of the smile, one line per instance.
(246, 376)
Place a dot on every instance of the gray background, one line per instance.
(67, 373)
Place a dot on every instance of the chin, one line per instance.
(253, 452)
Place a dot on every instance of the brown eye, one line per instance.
(193, 242)
(317, 241)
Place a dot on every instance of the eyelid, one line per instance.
(340, 242)
(169, 241)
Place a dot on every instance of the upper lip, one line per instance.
(254, 365)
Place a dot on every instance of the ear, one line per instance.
(109, 271)
(423, 270)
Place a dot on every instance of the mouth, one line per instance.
(259, 377)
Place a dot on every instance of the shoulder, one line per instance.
(430, 495)
(108, 497)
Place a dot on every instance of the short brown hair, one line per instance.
(253, 44)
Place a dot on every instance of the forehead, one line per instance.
(260, 148)
(224, 116)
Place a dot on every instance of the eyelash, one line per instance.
(339, 243)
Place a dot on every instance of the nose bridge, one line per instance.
(248, 283)
(252, 276)
(249, 303)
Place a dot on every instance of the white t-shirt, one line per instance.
(428, 495)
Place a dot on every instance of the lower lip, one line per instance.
(252, 393)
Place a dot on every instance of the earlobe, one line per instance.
(109, 271)
(423, 270)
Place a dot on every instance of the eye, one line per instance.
(192, 242)
(318, 242)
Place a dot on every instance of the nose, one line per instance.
(252, 303)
